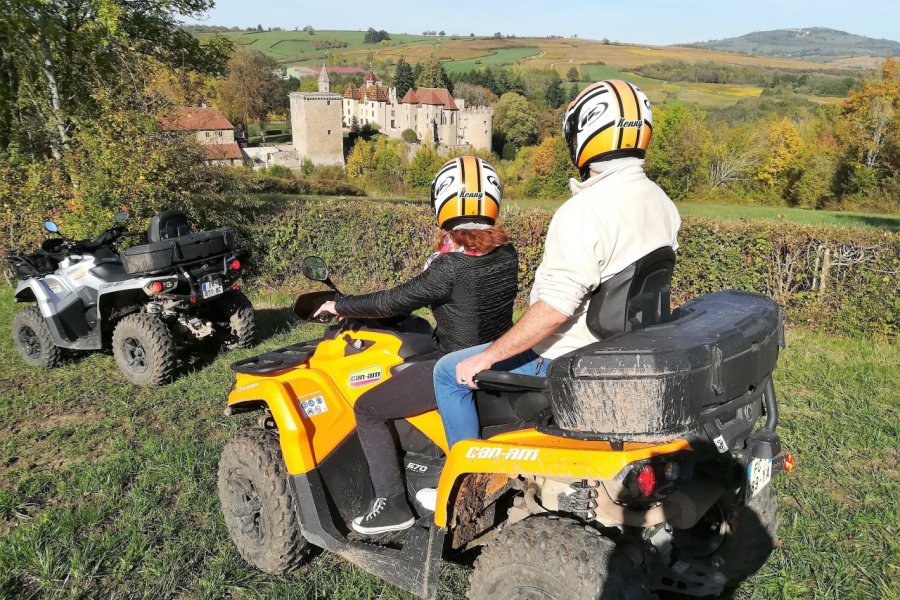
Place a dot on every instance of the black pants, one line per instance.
(406, 394)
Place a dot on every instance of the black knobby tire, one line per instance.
(32, 339)
(750, 537)
(257, 503)
(144, 349)
(239, 320)
(555, 559)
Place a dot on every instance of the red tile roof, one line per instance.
(194, 119)
(351, 91)
(223, 151)
(433, 96)
(379, 93)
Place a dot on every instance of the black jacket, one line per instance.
(471, 297)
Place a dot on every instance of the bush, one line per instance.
(837, 279)
(410, 136)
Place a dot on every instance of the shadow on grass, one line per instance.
(886, 222)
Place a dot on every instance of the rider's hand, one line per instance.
(467, 369)
(327, 308)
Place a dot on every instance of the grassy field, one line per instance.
(595, 59)
(108, 491)
(501, 56)
(737, 211)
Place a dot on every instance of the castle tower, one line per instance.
(316, 126)
(324, 80)
(476, 126)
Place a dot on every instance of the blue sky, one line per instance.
(647, 21)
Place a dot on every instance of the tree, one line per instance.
(309, 29)
(361, 161)
(57, 54)
(410, 136)
(403, 78)
(677, 155)
(433, 74)
(573, 75)
(474, 95)
(441, 32)
(552, 168)
(515, 119)
(783, 146)
(373, 37)
(423, 167)
(252, 90)
(554, 95)
(259, 27)
(498, 35)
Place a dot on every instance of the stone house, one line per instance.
(211, 129)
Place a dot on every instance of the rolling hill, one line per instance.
(817, 44)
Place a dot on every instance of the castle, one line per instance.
(318, 118)
(435, 116)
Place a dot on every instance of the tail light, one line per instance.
(158, 286)
(646, 481)
(235, 265)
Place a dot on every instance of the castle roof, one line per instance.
(432, 96)
(195, 118)
(376, 93)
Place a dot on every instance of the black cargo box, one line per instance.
(703, 369)
(159, 256)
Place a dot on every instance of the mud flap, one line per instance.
(414, 568)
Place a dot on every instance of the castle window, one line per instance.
(207, 133)
(328, 103)
(329, 132)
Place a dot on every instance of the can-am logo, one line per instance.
(365, 376)
(508, 454)
(629, 124)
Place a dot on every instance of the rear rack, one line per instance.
(277, 360)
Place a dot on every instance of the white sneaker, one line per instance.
(427, 498)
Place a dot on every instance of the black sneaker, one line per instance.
(387, 514)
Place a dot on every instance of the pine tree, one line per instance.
(403, 78)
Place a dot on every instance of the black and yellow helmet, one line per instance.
(609, 119)
(466, 190)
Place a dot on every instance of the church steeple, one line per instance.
(324, 80)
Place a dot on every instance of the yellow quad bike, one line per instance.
(636, 466)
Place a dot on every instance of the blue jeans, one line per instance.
(456, 402)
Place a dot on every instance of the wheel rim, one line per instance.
(246, 507)
(135, 355)
(706, 536)
(29, 341)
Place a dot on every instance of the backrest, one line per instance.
(166, 225)
(635, 297)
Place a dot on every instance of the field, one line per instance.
(107, 490)
(594, 59)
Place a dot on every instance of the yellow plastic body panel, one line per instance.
(529, 452)
(330, 376)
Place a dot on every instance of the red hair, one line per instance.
(478, 241)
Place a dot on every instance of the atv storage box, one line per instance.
(703, 371)
(159, 256)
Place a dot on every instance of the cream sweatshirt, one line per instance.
(611, 220)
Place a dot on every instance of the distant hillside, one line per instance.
(814, 43)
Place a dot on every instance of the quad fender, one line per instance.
(529, 452)
(24, 292)
(304, 441)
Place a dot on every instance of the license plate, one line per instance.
(211, 288)
(759, 474)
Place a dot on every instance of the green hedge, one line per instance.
(841, 280)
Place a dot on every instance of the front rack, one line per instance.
(277, 360)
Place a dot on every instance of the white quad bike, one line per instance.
(140, 303)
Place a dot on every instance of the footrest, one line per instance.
(276, 360)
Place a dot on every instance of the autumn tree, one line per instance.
(782, 147)
(474, 95)
(55, 55)
(432, 74)
(516, 120)
(552, 168)
(423, 167)
(676, 158)
(252, 90)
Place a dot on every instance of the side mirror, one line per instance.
(121, 216)
(315, 268)
(51, 227)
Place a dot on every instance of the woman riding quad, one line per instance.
(470, 284)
